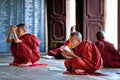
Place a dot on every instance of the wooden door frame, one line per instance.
(79, 27)
(67, 22)
(46, 25)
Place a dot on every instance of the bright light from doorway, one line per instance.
(111, 21)
(72, 13)
(72, 16)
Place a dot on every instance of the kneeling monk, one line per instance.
(57, 52)
(24, 46)
(111, 56)
(82, 56)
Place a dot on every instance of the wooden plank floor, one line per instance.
(43, 73)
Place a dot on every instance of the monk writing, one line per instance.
(24, 46)
(84, 56)
(57, 52)
(111, 56)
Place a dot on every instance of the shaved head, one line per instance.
(100, 35)
(77, 35)
(73, 29)
(21, 29)
(23, 26)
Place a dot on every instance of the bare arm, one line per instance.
(64, 54)
(8, 39)
(16, 39)
(73, 55)
(69, 54)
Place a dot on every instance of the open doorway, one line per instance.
(70, 16)
(79, 16)
(111, 23)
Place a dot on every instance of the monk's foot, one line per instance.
(37, 62)
(13, 63)
(24, 64)
(80, 71)
(66, 72)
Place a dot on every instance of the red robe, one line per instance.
(90, 59)
(27, 50)
(57, 52)
(111, 56)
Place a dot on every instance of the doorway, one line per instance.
(89, 20)
(111, 26)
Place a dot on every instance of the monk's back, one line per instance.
(89, 58)
(30, 39)
(90, 54)
(111, 56)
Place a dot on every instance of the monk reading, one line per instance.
(82, 57)
(111, 56)
(57, 52)
(24, 46)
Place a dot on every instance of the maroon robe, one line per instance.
(57, 52)
(27, 50)
(111, 56)
(89, 58)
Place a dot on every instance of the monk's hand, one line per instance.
(72, 54)
(12, 28)
(65, 54)
(62, 48)
(18, 41)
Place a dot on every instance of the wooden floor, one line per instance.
(45, 73)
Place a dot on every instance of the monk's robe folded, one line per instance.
(57, 52)
(27, 50)
(89, 58)
(111, 56)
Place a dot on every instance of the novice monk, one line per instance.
(57, 52)
(84, 56)
(24, 46)
(111, 56)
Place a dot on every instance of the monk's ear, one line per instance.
(25, 30)
(80, 41)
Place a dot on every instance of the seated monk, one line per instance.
(57, 52)
(82, 56)
(110, 56)
(24, 46)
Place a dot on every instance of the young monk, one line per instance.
(24, 46)
(57, 52)
(82, 57)
(111, 56)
